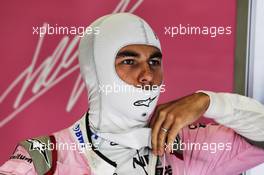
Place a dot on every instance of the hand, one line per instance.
(169, 118)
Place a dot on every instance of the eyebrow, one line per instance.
(128, 53)
(156, 54)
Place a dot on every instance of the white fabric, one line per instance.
(243, 114)
(128, 160)
(114, 116)
(96, 163)
(118, 117)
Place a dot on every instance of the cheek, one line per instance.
(158, 76)
(128, 75)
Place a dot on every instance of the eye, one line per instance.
(128, 62)
(155, 61)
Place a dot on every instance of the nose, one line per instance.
(146, 75)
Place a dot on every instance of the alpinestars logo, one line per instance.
(40, 147)
(144, 102)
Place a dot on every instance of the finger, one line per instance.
(155, 114)
(154, 117)
(173, 132)
(163, 134)
(160, 117)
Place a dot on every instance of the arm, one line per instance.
(20, 163)
(244, 115)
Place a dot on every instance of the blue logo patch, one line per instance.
(78, 134)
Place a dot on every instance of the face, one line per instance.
(139, 65)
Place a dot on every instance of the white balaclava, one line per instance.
(117, 116)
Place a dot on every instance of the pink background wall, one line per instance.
(29, 107)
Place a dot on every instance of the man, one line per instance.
(122, 69)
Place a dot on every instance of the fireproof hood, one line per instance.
(118, 112)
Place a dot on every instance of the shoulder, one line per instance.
(31, 156)
(42, 152)
(20, 162)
